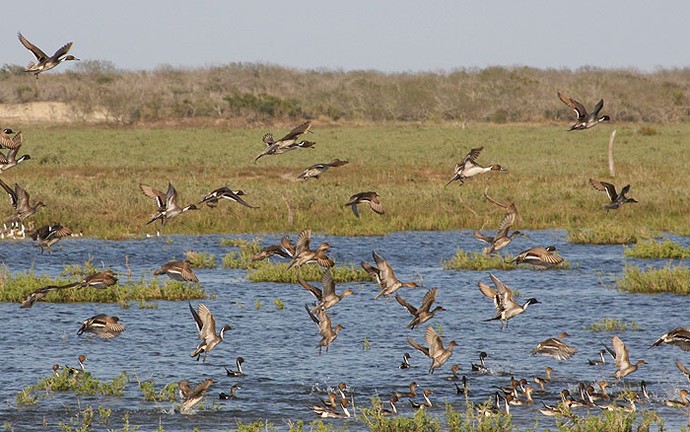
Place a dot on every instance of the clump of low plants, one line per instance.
(269, 272)
(668, 279)
(241, 257)
(463, 260)
(612, 325)
(201, 259)
(653, 249)
(607, 234)
(81, 383)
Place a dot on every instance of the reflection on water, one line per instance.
(285, 375)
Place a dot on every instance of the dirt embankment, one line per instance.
(48, 112)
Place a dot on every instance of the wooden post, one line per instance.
(613, 137)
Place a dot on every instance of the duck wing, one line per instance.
(303, 241)
(40, 55)
(297, 131)
(311, 288)
(579, 109)
(385, 270)
(428, 300)
(605, 187)
(327, 283)
(622, 357)
(597, 108)
(434, 341)
(375, 205)
(422, 349)
(411, 309)
(150, 192)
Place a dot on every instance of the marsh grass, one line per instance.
(83, 383)
(608, 234)
(409, 163)
(16, 287)
(201, 259)
(612, 325)
(463, 260)
(668, 279)
(242, 257)
(152, 394)
(269, 272)
(653, 249)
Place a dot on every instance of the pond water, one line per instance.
(285, 375)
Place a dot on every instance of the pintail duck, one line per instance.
(104, 326)
(79, 369)
(47, 235)
(681, 367)
(540, 381)
(325, 412)
(180, 271)
(385, 276)
(623, 365)
(285, 249)
(617, 200)
(506, 308)
(405, 361)
(617, 407)
(44, 62)
(679, 336)
(423, 313)
(212, 198)
(465, 390)
(393, 409)
(206, 325)
(502, 238)
(371, 197)
(555, 347)
(584, 120)
(167, 203)
(600, 361)
(468, 167)
(602, 394)
(304, 255)
(527, 392)
(438, 355)
(194, 396)
(454, 373)
(100, 280)
(316, 170)
(286, 143)
(330, 403)
(327, 332)
(426, 403)
(481, 366)
(682, 403)
(20, 201)
(13, 144)
(411, 393)
(327, 298)
(239, 371)
(232, 395)
(541, 258)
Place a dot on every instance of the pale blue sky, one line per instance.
(390, 35)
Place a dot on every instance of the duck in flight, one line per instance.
(43, 61)
(584, 120)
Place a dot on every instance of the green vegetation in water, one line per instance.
(81, 383)
(148, 388)
(612, 325)
(652, 249)
(463, 260)
(669, 279)
(269, 272)
(201, 259)
(242, 257)
(611, 233)
(16, 287)
(280, 305)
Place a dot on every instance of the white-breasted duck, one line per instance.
(316, 170)
(167, 203)
(502, 238)
(286, 143)
(584, 120)
(405, 364)
(385, 276)
(372, 198)
(304, 255)
(539, 257)
(623, 365)
(435, 351)
(326, 330)
(13, 144)
(616, 199)
(326, 296)
(468, 167)
(426, 403)
(555, 347)
(506, 307)
(679, 336)
(103, 326)
(238, 372)
(206, 326)
(600, 361)
(211, 199)
(424, 313)
(43, 61)
(481, 366)
(180, 271)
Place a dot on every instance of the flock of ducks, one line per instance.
(519, 392)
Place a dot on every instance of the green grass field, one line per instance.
(89, 177)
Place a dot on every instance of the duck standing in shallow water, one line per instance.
(468, 167)
(584, 120)
(44, 62)
(616, 199)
